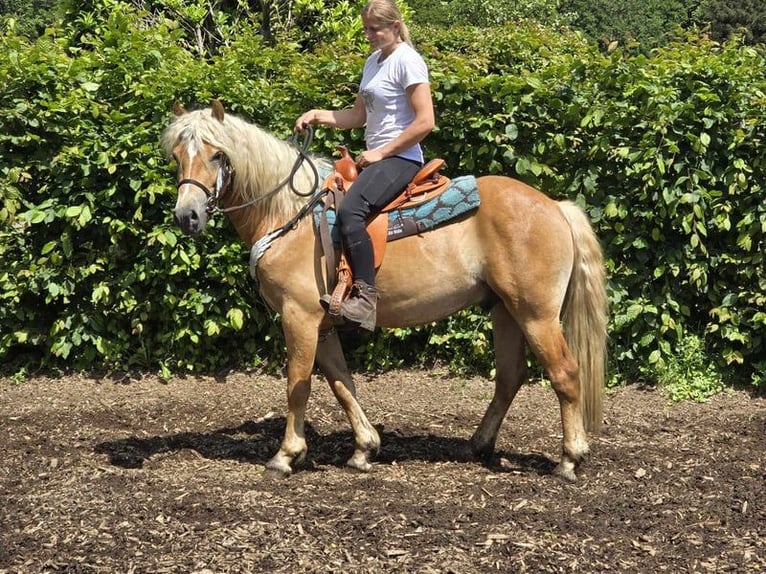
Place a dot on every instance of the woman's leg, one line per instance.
(372, 190)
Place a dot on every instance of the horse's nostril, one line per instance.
(186, 219)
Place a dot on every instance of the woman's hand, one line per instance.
(353, 117)
(368, 157)
(305, 120)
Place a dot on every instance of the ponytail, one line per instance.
(404, 33)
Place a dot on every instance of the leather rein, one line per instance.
(226, 172)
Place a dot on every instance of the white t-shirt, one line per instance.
(383, 89)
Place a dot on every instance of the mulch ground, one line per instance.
(137, 475)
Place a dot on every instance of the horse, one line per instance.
(534, 262)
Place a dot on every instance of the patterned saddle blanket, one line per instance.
(460, 197)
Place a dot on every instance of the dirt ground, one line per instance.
(137, 475)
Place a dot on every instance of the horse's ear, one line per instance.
(218, 112)
(178, 108)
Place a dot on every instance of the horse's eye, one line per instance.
(217, 157)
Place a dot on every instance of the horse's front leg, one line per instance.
(301, 334)
(333, 364)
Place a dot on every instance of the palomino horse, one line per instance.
(535, 262)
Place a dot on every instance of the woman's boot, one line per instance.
(361, 305)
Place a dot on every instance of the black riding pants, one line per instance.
(375, 186)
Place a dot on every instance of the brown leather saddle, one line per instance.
(427, 184)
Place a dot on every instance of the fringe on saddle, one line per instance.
(427, 184)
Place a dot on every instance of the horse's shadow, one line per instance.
(255, 442)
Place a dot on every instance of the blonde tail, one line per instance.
(585, 314)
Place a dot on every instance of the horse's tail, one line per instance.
(585, 314)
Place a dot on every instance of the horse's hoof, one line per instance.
(277, 468)
(564, 473)
(360, 463)
(481, 452)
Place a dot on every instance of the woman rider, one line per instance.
(394, 104)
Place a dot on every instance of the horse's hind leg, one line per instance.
(548, 344)
(511, 372)
(333, 364)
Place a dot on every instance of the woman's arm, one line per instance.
(353, 117)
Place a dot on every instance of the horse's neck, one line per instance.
(275, 208)
(254, 222)
(251, 223)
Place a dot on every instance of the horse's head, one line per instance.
(273, 177)
(204, 172)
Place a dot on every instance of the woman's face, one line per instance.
(381, 36)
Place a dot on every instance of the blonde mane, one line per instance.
(261, 160)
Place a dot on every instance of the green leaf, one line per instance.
(85, 216)
(100, 293)
(37, 216)
(236, 317)
(170, 238)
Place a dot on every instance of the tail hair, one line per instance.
(585, 314)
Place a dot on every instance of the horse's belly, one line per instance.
(398, 309)
(427, 278)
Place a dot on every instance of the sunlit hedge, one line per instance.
(666, 153)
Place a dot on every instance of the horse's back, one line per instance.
(516, 244)
(506, 197)
(524, 224)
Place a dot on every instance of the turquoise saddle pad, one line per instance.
(459, 198)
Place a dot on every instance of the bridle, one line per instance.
(223, 182)
(226, 172)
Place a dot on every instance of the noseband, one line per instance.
(223, 182)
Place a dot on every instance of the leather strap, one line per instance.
(327, 244)
(339, 293)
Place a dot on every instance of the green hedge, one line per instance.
(665, 152)
(675, 147)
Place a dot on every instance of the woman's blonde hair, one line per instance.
(387, 12)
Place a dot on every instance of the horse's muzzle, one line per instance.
(190, 221)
